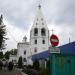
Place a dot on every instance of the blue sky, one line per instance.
(19, 16)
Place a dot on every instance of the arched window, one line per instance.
(42, 23)
(24, 59)
(35, 32)
(43, 32)
(24, 52)
(35, 42)
(43, 41)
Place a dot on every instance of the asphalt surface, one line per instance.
(13, 72)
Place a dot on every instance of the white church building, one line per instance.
(39, 39)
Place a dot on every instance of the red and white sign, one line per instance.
(54, 40)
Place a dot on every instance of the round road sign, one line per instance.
(54, 40)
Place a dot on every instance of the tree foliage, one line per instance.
(36, 64)
(2, 33)
(7, 55)
(1, 55)
(20, 64)
(13, 52)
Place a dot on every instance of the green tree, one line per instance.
(20, 64)
(13, 52)
(36, 64)
(1, 55)
(2, 33)
(7, 55)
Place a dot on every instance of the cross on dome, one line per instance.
(25, 39)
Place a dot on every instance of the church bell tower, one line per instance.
(39, 34)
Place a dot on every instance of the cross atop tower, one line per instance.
(39, 6)
(52, 31)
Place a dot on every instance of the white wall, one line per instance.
(24, 47)
(40, 47)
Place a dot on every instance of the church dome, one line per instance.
(24, 39)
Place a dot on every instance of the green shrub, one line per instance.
(36, 65)
(20, 64)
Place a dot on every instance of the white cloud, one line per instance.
(14, 35)
(63, 32)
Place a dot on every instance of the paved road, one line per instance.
(13, 72)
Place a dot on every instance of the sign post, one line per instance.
(53, 49)
(54, 42)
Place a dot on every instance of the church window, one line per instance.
(35, 41)
(35, 32)
(42, 19)
(43, 41)
(42, 23)
(24, 52)
(43, 32)
(35, 49)
(24, 59)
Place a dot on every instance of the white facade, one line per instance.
(39, 39)
(39, 34)
(24, 51)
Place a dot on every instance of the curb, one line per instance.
(23, 73)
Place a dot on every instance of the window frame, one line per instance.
(43, 41)
(43, 32)
(35, 31)
(24, 52)
(24, 59)
(35, 41)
